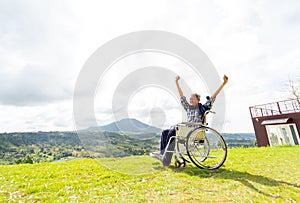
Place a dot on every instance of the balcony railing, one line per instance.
(275, 108)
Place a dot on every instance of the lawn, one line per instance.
(268, 174)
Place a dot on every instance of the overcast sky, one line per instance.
(44, 45)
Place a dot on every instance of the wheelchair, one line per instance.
(197, 143)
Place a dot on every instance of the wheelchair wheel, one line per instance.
(178, 163)
(206, 148)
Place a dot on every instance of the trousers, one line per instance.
(165, 137)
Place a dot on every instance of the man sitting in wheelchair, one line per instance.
(195, 114)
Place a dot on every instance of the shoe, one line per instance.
(156, 155)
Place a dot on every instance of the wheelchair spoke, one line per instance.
(206, 148)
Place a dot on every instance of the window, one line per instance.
(282, 134)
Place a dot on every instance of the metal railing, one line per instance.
(275, 108)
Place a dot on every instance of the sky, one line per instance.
(45, 44)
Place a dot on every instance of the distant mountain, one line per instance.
(247, 136)
(128, 125)
(239, 139)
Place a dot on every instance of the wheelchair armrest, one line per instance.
(191, 123)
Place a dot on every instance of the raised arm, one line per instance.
(225, 80)
(178, 86)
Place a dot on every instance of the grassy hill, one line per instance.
(249, 175)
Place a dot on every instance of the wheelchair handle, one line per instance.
(209, 111)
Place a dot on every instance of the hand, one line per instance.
(177, 78)
(225, 78)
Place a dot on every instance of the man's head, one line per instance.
(194, 99)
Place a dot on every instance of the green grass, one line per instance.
(249, 175)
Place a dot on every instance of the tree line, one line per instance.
(36, 147)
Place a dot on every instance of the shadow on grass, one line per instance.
(243, 177)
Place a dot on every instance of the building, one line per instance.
(276, 123)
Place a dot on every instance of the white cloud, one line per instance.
(32, 85)
(36, 45)
(48, 117)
